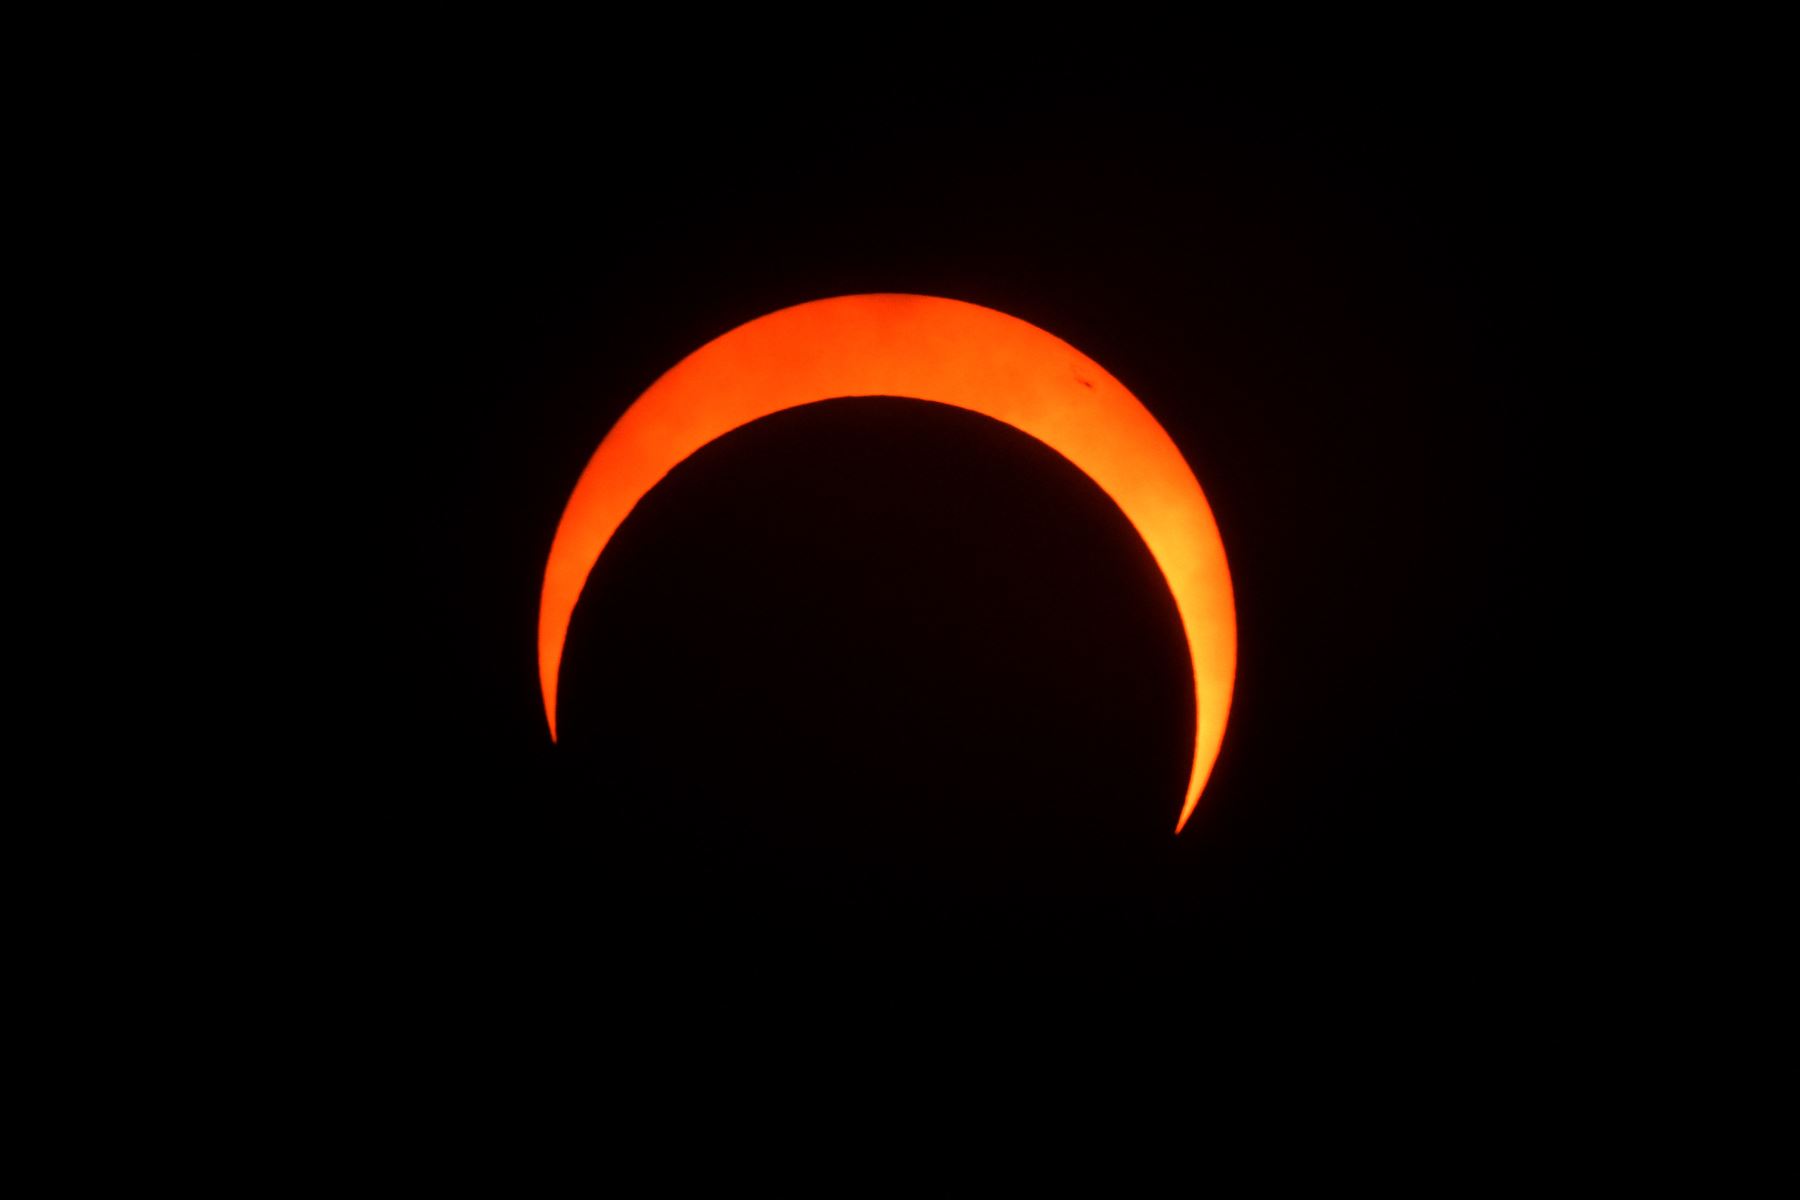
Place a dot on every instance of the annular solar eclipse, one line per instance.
(924, 348)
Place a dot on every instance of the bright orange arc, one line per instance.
(925, 348)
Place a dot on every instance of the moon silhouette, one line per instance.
(924, 348)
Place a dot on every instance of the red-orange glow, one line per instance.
(925, 348)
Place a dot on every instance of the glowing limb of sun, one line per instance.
(926, 348)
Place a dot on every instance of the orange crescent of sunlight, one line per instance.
(925, 348)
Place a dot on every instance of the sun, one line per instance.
(924, 348)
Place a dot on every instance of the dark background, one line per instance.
(879, 682)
